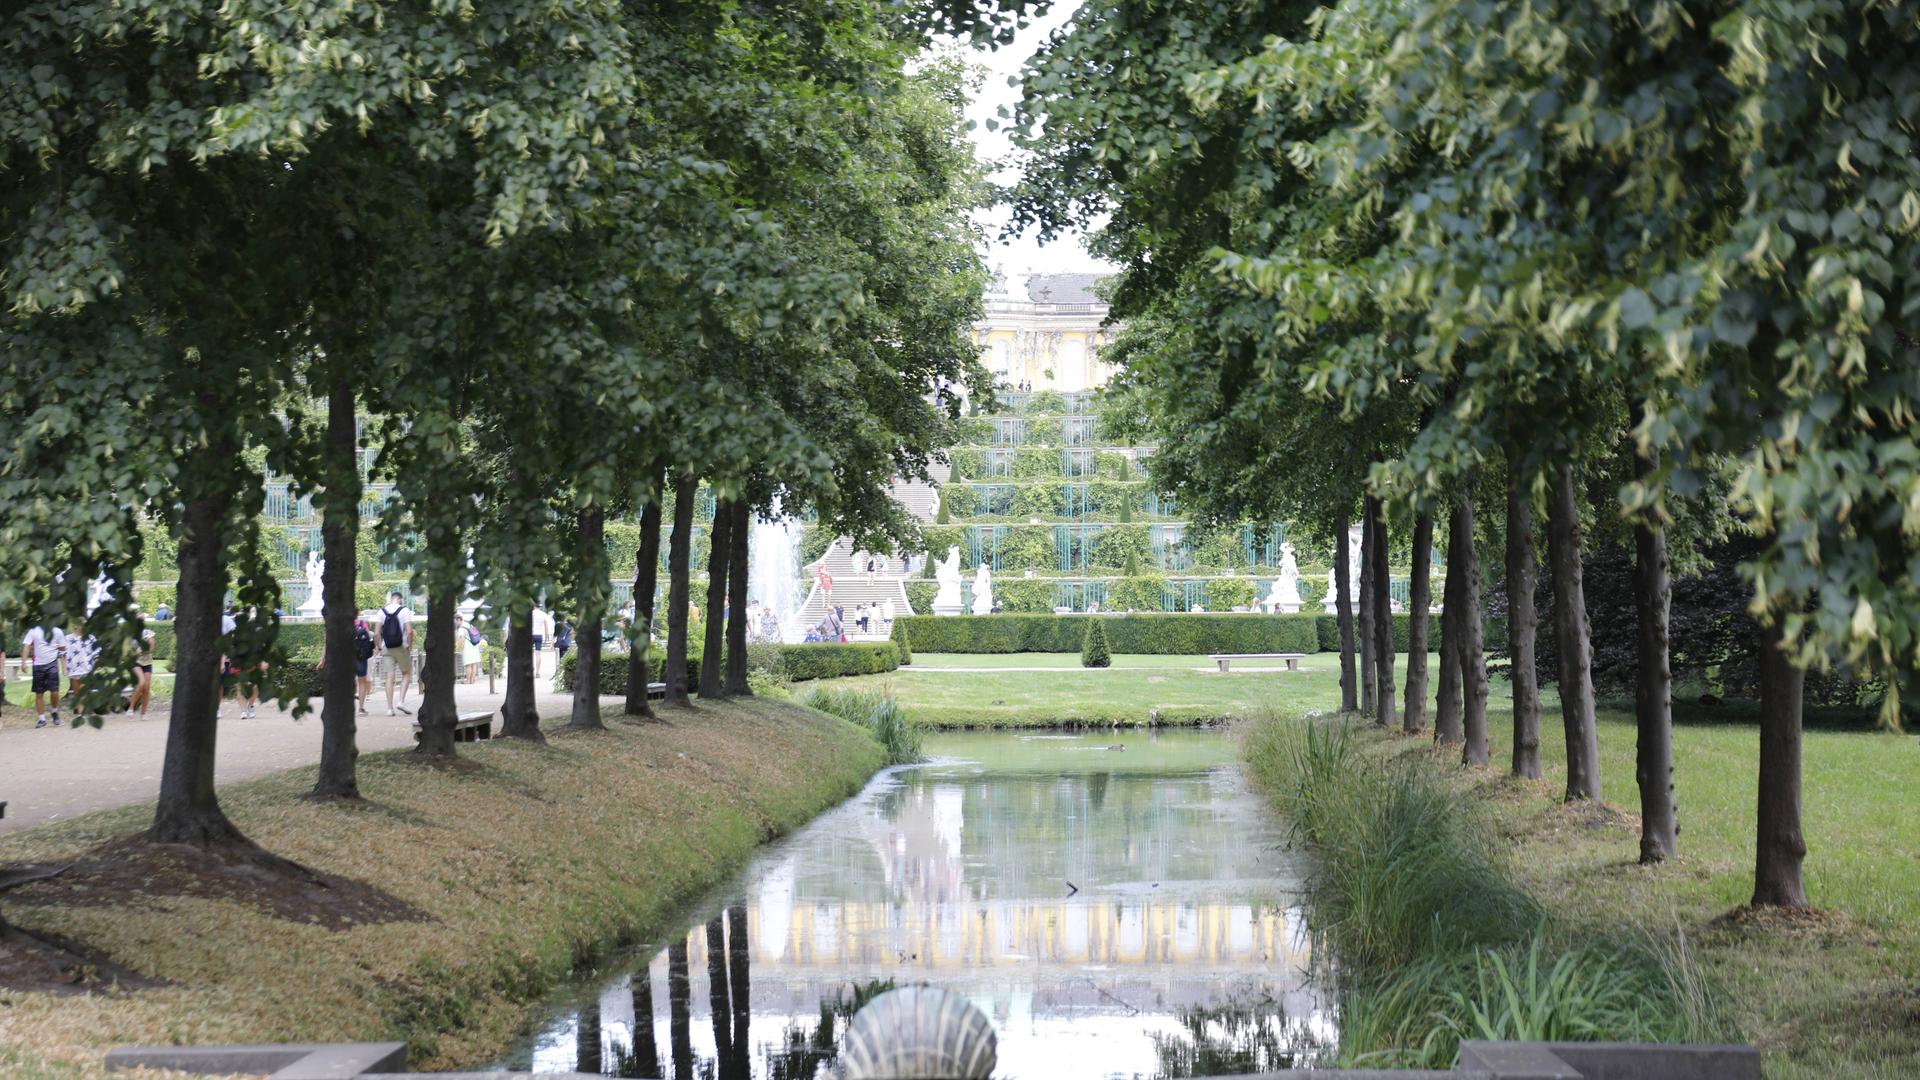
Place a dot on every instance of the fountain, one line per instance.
(773, 578)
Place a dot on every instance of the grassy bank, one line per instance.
(519, 863)
(1037, 690)
(1835, 994)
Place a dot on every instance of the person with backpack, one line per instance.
(470, 639)
(41, 650)
(395, 644)
(562, 641)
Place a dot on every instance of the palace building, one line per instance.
(1044, 330)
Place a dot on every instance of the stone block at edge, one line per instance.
(1664, 1061)
(1515, 1061)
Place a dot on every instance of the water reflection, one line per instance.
(1117, 913)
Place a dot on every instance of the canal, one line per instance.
(1120, 905)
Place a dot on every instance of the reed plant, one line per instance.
(1434, 941)
(875, 709)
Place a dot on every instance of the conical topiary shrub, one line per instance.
(901, 641)
(1094, 651)
(941, 516)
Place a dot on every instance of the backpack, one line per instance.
(363, 644)
(473, 635)
(390, 633)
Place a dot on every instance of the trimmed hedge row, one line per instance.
(1157, 634)
(1154, 634)
(796, 663)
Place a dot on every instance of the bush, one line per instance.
(1157, 634)
(920, 596)
(1119, 546)
(1143, 593)
(1329, 631)
(903, 641)
(959, 500)
(1093, 648)
(1028, 595)
(833, 659)
(1045, 403)
(1225, 594)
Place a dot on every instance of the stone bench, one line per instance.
(468, 727)
(1225, 660)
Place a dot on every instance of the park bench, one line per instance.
(468, 727)
(1225, 660)
(656, 691)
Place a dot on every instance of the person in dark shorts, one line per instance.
(41, 649)
(143, 672)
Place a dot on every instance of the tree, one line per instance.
(1521, 621)
(645, 583)
(1094, 651)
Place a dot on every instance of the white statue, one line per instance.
(1353, 571)
(316, 575)
(99, 591)
(982, 590)
(947, 572)
(1285, 596)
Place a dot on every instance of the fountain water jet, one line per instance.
(773, 579)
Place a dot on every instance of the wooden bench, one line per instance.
(1225, 660)
(469, 727)
(656, 691)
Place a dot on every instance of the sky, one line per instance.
(1023, 254)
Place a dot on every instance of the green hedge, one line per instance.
(1162, 634)
(795, 663)
(920, 596)
(1329, 632)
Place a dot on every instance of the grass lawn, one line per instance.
(1136, 689)
(20, 698)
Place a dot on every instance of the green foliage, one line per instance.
(939, 539)
(1027, 547)
(829, 660)
(902, 639)
(967, 462)
(1114, 499)
(1112, 466)
(1159, 634)
(1437, 941)
(1142, 592)
(1041, 499)
(1045, 403)
(1225, 594)
(1131, 568)
(974, 431)
(942, 515)
(875, 710)
(1328, 630)
(1094, 652)
(1032, 595)
(1044, 432)
(920, 596)
(1120, 546)
(1037, 463)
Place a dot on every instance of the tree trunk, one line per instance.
(1522, 622)
(1472, 656)
(1449, 715)
(646, 572)
(1653, 688)
(679, 554)
(719, 554)
(1419, 599)
(739, 958)
(188, 811)
(736, 680)
(646, 1053)
(717, 1005)
(1368, 671)
(1576, 647)
(592, 553)
(519, 716)
(1779, 846)
(679, 1006)
(1343, 610)
(587, 1046)
(1384, 708)
(339, 529)
(438, 713)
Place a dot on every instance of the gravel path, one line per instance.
(50, 774)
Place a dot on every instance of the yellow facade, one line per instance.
(1045, 333)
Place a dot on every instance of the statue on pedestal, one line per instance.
(982, 591)
(947, 572)
(1285, 597)
(316, 575)
(1353, 571)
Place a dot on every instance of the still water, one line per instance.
(1117, 912)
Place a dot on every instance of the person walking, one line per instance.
(470, 640)
(82, 652)
(143, 675)
(362, 656)
(562, 641)
(41, 650)
(873, 567)
(540, 628)
(886, 614)
(825, 581)
(396, 647)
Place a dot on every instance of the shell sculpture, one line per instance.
(918, 1033)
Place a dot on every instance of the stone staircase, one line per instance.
(921, 499)
(852, 589)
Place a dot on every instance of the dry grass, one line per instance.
(529, 860)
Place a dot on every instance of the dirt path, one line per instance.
(51, 774)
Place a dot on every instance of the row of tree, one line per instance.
(1429, 257)
(560, 263)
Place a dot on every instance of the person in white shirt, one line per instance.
(41, 649)
(82, 652)
(394, 636)
(542, 624)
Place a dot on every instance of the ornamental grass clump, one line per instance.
(878, 712)
(1434, 939)
(1094, 652)
(903, 641)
